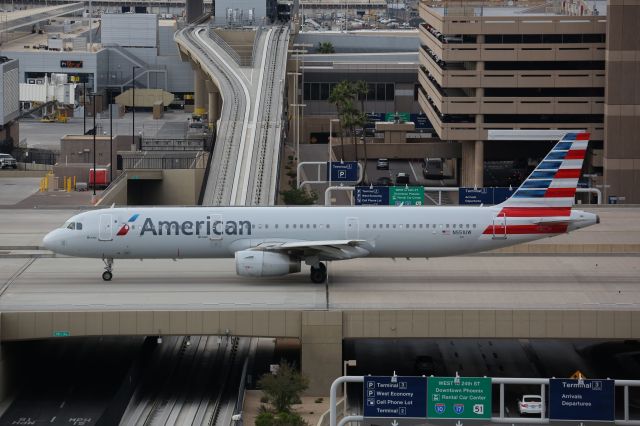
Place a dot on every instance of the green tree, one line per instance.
(299, 197)
(284, 388)
(341, 96)
(361, 89)
(326, 47)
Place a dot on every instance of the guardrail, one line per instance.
(501, 418)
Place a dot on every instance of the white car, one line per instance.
(7, 161)
(530, 404)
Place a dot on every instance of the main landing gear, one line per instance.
(318, 273)
(108, 265)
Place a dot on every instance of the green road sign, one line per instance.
(404, 116)
(465, 398)
(61, 334)
(406, 195)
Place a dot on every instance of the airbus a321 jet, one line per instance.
(274, 241)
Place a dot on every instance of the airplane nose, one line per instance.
(47, 241)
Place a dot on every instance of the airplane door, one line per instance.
(352, 228)
(217, 227)
(105, 231)
(500, 227)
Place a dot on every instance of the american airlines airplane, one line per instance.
(274, 241)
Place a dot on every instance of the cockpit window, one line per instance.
(72, 225)
(79, 226)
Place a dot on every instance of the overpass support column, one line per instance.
(199, 93)
(321, 350)
(478, 168)
(212, 101)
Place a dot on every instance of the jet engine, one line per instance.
(251, 263)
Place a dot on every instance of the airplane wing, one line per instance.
(325, 250)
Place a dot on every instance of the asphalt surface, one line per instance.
(475, 282)
(47, 135)
(14, 190)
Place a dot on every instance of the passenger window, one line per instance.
(407, 226)
(374, 226)
(314, 226)
(420, 226)
(294, 226)
(467, 226)
(286, 226)
(474, 225)
(79, 226)
(447, 226)
(266, 226)
(414, 225)
(327, 226)
(367, 226)
(387, 226)
(276, 226)
(308, 226)
(454, 226)
(460, 226)
(394, 226)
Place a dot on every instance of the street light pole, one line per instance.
(84, 107)
(93, 101)
(110, 137)
(133, 110)
(330, 151)
(347, 363)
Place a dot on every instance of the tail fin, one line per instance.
(552, 185)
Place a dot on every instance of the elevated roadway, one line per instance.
(10, 21)
(245, 163)
(579, 285)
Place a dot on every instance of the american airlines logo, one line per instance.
(206, 227)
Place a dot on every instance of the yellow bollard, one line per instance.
(74, 183)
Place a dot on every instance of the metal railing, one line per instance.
(501, 418)
(165, 162)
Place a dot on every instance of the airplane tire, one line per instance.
(106, 275)
(319, 274)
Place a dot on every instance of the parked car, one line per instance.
(383, 164)
(433, 168)
(7, 161)
(530, 404)
(402, 178)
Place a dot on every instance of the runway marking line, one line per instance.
(17, 274)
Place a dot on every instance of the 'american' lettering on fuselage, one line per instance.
(197, 227)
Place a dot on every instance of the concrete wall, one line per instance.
(181, 187)
(622, 102)
(364, 41)
(321, 332)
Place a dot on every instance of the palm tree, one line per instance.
(326, 47)
(361, 89)
(341, 96)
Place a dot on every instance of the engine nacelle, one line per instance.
(251, 263)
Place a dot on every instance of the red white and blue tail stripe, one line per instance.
(552, 185)
(542, 204)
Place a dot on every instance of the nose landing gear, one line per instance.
(107, 275)
(318, 273)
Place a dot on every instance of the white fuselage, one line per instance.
(215, 232)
